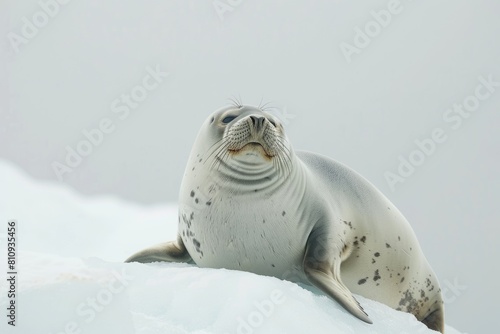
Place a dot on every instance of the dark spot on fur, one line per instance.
(283, 213)
(399, 238)
(272, 265)
(376, 276)
(362, 281)
(402, 280)
(373, 261)
(197, 245)
(196, 201)
(348, 224)
(208, 203)
(192, 193)
(377, 254)
(409, 302)
(188, 221)
(363, 239)
(387, 245)
(200, 160)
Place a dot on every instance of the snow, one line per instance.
(72, 278)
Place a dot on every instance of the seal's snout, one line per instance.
(258, 122)
(254, 132)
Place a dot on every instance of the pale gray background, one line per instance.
(365, 113)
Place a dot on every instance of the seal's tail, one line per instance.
(435, 320)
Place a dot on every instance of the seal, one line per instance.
(249, 202)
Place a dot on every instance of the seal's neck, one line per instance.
(251, 175)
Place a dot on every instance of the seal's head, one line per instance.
(244, 142)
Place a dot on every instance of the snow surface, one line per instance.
(72, 279)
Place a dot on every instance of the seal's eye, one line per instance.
(228, 119)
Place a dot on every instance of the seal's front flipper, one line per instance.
(172, 251)
(322, 268)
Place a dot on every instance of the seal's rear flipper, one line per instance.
(322, 268)
(172, 251)
(338, 291)
(435, 320)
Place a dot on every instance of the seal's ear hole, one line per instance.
(228, 119)
(213, 119)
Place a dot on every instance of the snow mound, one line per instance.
(72, 279)
(68, 295)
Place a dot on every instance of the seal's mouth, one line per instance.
(252, 148)
(253, 144)
(254, 136)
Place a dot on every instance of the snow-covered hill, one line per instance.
(71, 278)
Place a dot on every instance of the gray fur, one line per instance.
(249, 202)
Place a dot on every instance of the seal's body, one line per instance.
(249, 202)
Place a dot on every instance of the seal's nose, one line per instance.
(258, 122)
